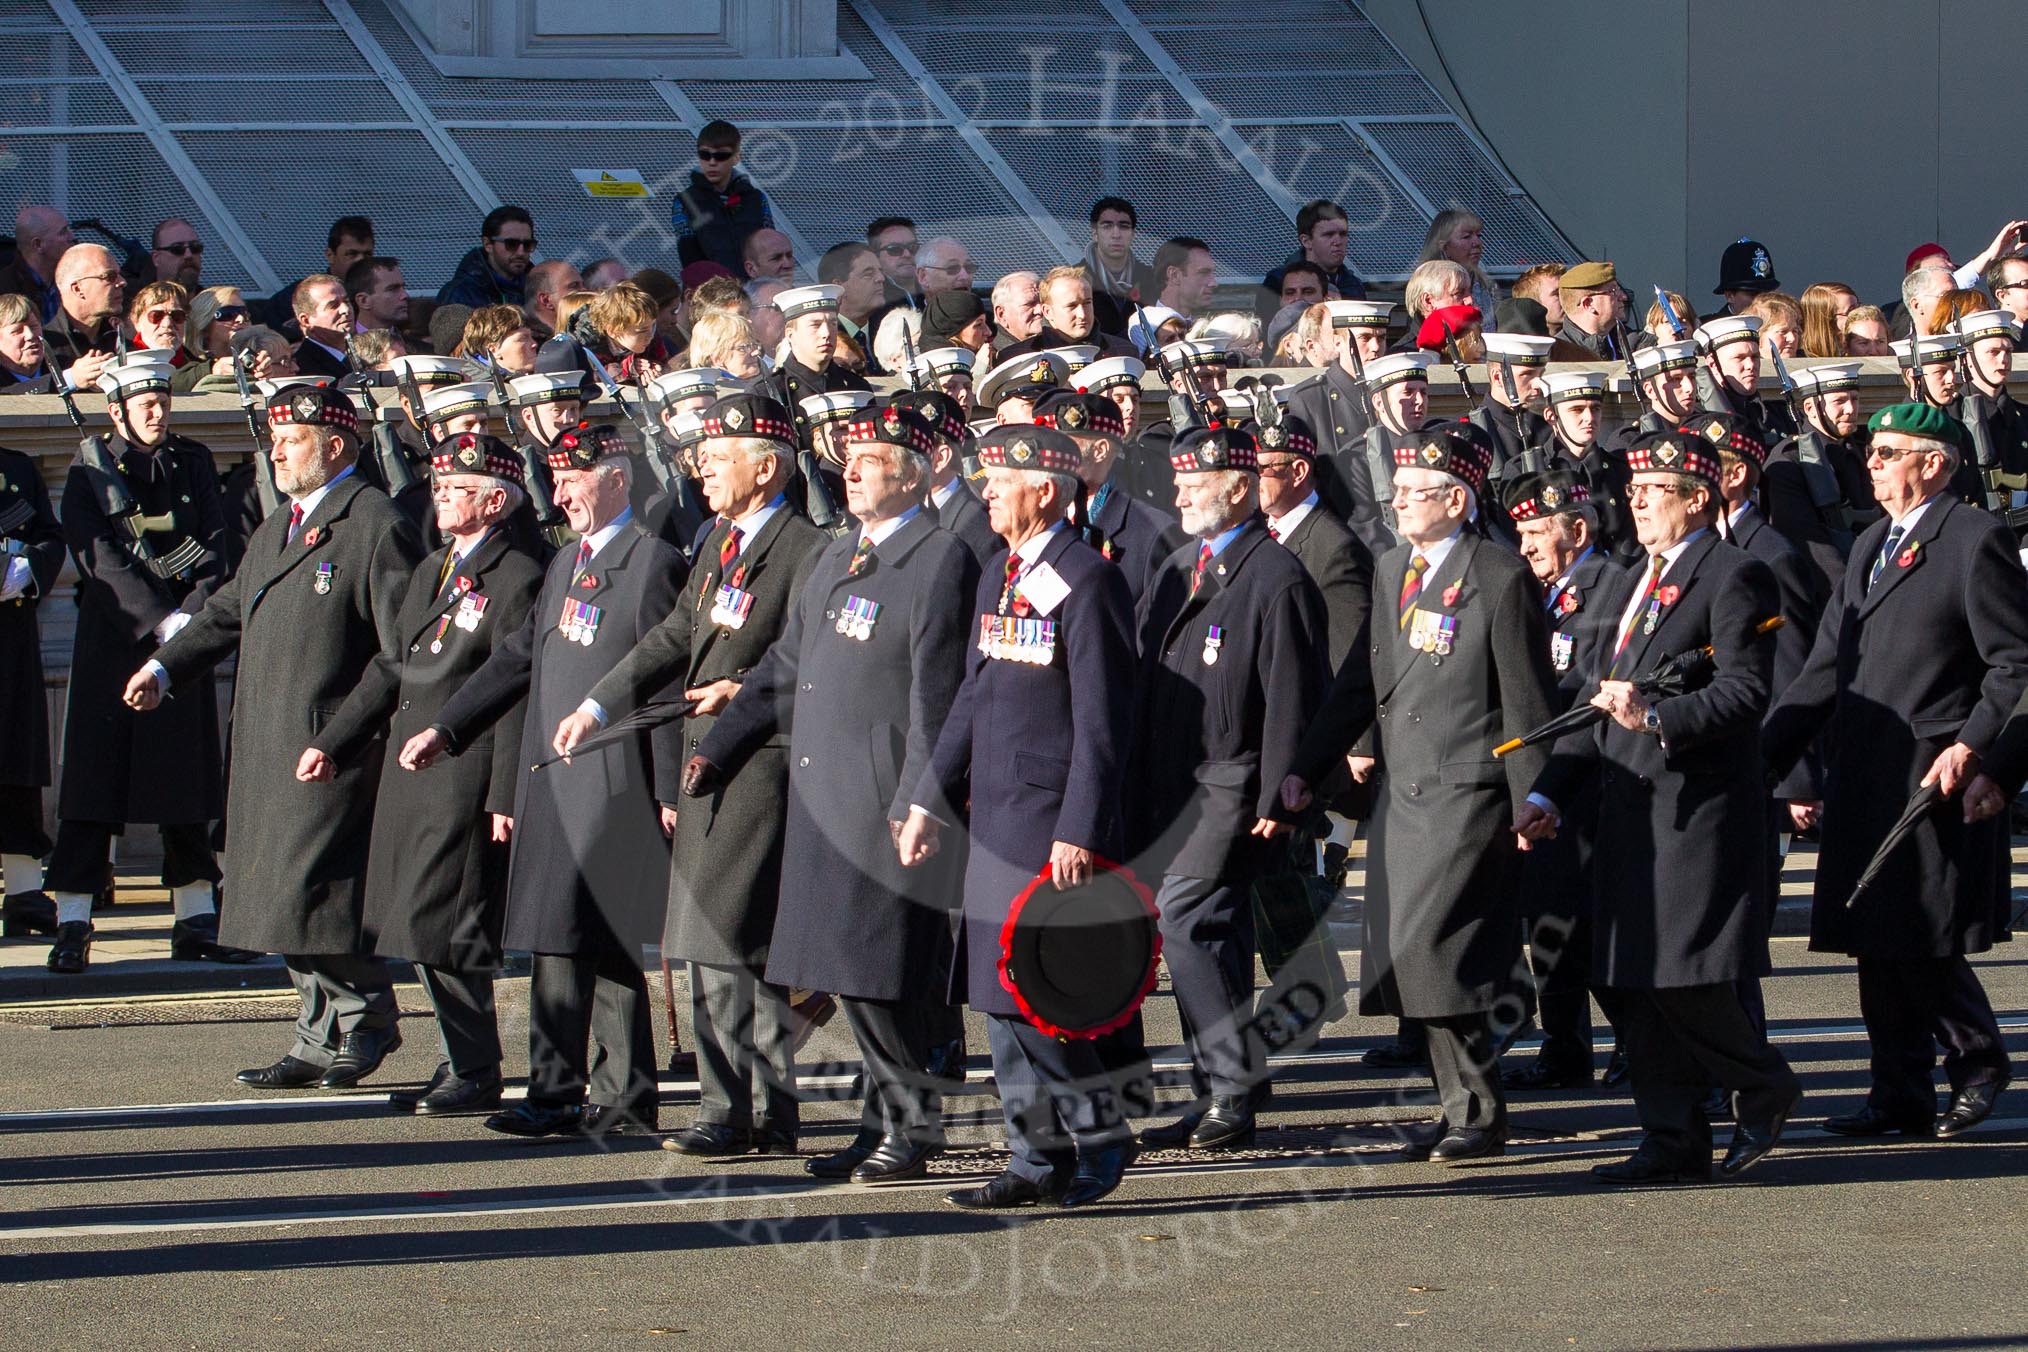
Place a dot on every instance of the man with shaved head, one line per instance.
(547, 284)
(770, 256)
(41, 234)
(91, 295)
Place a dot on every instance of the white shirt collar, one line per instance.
(603, 536)
(876, 533)
(940, 498)
(1907, 523)
(1031, 549)
(1675, 551)
(1434, 555)
(750, 525)
(1286, 523)
(308, 502)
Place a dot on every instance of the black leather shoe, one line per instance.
(359, 1055)
(1099, 1173)
(610, 1119)
(1006, 1191)
(709, 1139)
(772, 1139)
(841, 1163)
(537, 1119)
(896, 1158)
(287, 1073)
(1536, 1076)
(946, 1062)
(1872, 1121)
(1172, 1135)
(1643, 1169)
(1458, 1146)
(1616, 1070)
(26, 914)
(1751, 1140)
(1969, 1106)
(1394, 1056)
(455, 1096)
(1229, 1125)
(405, 1100)
(196, 940)
(72, 952)
(1418, 1145)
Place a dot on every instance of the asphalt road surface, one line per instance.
(149, 1201)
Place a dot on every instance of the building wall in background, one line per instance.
(1839, 133)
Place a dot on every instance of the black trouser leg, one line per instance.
(21, 822)
(1974, 1053)
(1896, 1002)
(1207, 941)
(187, 856)
(1464, 1064)
(559, 1027)
(894, 1048)
(1559, 952)
(622, 1036)
(742, 1033)
(466, 1023)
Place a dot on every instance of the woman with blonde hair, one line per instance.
(217, 313)
(1459, 235)
(1825, 305)
(1781, 322)
(725, 340)
(1241, 333)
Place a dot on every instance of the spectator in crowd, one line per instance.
(376, 349)
(1594, 310)
(1309, 341)
(22, 369)
(769, 256)
(1543, 285)
(349, 240)
(1120, 281)
(623, 318)
(1156, 326)
(217, 313)
(1966, 277)
(324, 314)
(156, 316)
(888, 348)
(379, 294)
(724, 339)
(893, 241)
(1303, 283)
(42, 235)
(269, 357)
(1459, 236)
(500, 335)
(956, 318)
(765, 316)
(1186, 275)
(1922, 287)
(1825, 305)
(667, 293)
(1435, 284)
(717, 293)
(1322, 234)
(1240, 332)
(1867, 333)
(2006, 279)
(1656, 321)
(854, 268)
(604, 273)
(942, 264)
(91, 295)
(1070, 315)
(546, 285)
(496, 271)
(1017, 308)
(1781, 322)
(1954, 305)
(447, 328)
(567, 308)
(177, 254)
(720, 208)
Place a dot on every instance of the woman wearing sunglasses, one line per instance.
(217, 313)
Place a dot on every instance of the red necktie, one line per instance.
(1275, 531)
(1197, 574)
(1013, 574)
(1411, 586)
(728, 548)
(583, 560)
(295, 520)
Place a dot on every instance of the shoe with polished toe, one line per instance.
(841, 1163)
(1969, 1106)
(1098, 1173)
(457, 1096)
(1228, 1125)
(895, 1159)
(405, 1100)
(27, 914)
(1418, 1145)
(1645, 1168)
(1394, 1056)
(72, 952)
(1005, 1192)
(196, 940)
(1172, 1135)
(611, 1119)
(1537, 1075)
(710, 1139)
(287, 1073)
(1616, 1070)
(1459, 1146)
(1872, 1121)
(359, 1055)
(529, 1118)
(1753, 1139)
(771, 1138)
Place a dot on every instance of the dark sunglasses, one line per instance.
(162, 316)
(227, 313)
(715, 156)
(195, 246)
(515, 244)
(898, 250)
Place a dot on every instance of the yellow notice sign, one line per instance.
(611, 182)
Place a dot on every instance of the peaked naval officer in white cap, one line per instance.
(948, 369)
(1333, 403)
(1576, 410)
(1731, 345)
(1522, 443)
(811, 316)
(133, 595)
(1998, 425)
(1668, 376)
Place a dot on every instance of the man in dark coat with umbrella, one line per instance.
(1037, 738)
(726, 874)
(31, 555)
(436, 875)
(1920, 659)
(1460, 664)
(584, 885)
(863, 676)
(313, 602)
(1680, 890)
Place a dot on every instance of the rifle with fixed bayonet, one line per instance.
(264, 467)
(541, 489)
(116, 500)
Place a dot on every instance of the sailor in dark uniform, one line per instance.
(1932, 370)
(1334, 404)
(1730, 380)
(1522, 442)
(1815, 490)
(31, 556)
(1576, 406)
(1668, 375)
(1198, 368)
(1132, 535)
(1397, 387)
(950, 499)
(1997, 424)
(947, 370)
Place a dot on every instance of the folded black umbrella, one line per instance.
(651, 715)
(1919, 806)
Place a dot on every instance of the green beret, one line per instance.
(1919, 420)
(1585, 276)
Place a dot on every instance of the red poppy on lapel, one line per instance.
(1568, 602)
(1667, 595)
(464, 584)
(312, 538)
(1451, 593)
(1907, 558)
(588, 580)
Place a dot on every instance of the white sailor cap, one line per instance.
(1565, 386)
(125, 379)
(1036, 371)
(837, 406)
(1988, 324)
(1660, 357)
(1111, 371)
(1359, 314)
(554, 388)
(268, 389)
(1936, 349)
(939, 362)
(1396, 367)
(427, 370)
(1521, 349)
(1715, 333)
(1825, 377)
(1198, 352)
(808, 300)
(448, 401)
(689, 383)
(1076, 356)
